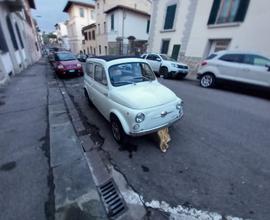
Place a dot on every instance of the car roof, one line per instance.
(112, 60)
(222, 52)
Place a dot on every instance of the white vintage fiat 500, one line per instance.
(127, 93)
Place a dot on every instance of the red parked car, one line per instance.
(66, 64)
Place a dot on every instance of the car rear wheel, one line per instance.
(207, 80)
(117, 131)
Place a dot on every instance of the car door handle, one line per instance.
(246, 69)
(105, 93)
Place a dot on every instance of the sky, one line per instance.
(48, 13)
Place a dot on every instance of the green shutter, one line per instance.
(112, 22)
(175, 52)
(214, 12)
(148, 26)
(165, 46)
(242, 10)
(170, 14)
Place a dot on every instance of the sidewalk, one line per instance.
(23, 145)
(43, 170)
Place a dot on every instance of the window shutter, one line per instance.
(170, 14)
(242, 10)
(214, 12)
(12, 34)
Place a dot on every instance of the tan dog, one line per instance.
(164, 138)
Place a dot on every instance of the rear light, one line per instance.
(203, 63)
(60, 66)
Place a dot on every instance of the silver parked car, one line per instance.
(237, 66)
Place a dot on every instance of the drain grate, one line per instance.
(112, 199)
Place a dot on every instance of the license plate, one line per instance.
(71, 71)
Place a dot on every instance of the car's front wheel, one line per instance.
(164, 71)
(207, 80)
(117, 130)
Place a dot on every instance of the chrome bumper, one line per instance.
(152, 130)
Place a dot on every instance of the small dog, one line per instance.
(164, 139)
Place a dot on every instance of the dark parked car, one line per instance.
(66, 64)
(82, 57)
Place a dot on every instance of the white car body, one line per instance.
(157, 61)
(237, 66)
(155, 101)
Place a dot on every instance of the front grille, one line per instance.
(182, 66)
(112, 199)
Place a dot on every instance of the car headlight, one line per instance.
(79, 65)
(179, 105)
(173, 65)
(139, 117)
(60, 66)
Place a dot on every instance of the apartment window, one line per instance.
(165, 46)
(228, 11)
(148, 26)
(81, 12)
(106, 50)
(85, 36)
(3, 44)
(93, 35)
(92, 14)
(12, 34)
(19, 35)
(97, 5)
(99, 47)
(89, 35)
(105, 28)
(87, 50)
(98, 28)
(91, 50)
(218, 45)
(112, 22)
(170, 15)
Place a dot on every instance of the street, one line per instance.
(218, 159)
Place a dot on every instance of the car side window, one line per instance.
(256, 60)
(89, 69)
(100, 75)
(152, 57)
(234, 58)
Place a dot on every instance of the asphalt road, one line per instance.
(218, 158)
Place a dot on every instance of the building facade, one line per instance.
(189, 30)
(89, 42)
(80, 14)
(19, 45)
(62, 35)
(117, 20)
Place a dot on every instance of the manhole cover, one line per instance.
(112, 199)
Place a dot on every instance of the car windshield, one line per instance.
(64, 56)
(129, 73)
(165, 57)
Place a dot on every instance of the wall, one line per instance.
(157, 23)
(75, 25)
(251, 35)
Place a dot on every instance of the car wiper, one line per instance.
(143, 77)
(123, 82)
